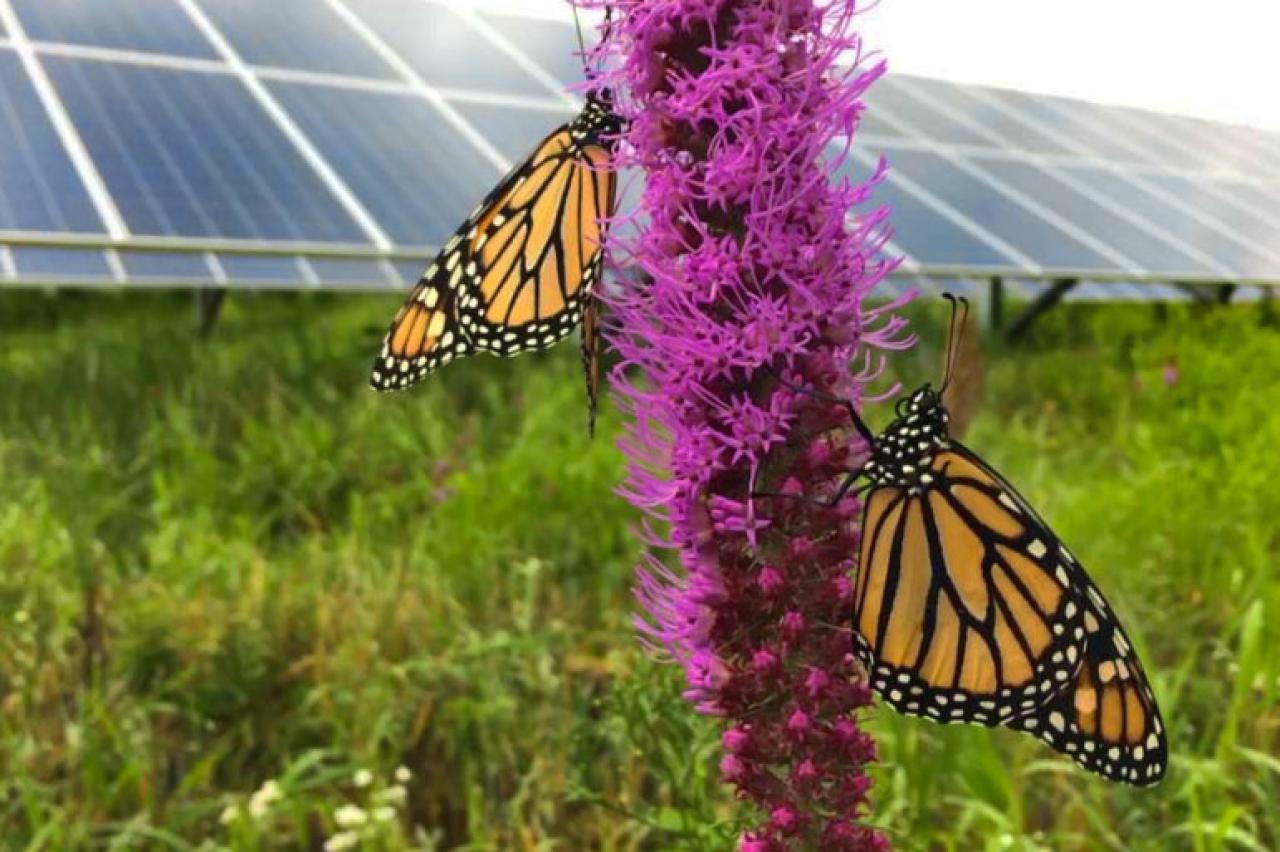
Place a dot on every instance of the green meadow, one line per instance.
(247, 604)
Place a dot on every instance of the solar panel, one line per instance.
(60, 263)
(399, 154)
(1100, 218)
(513, 129)
(157, 26)
(39, 188)
(317, 39)
(544, 42)
(998, 119)
(1075, 123)
(262, 270)
(354, 274)
(345, 138)
(146, 266)
(191, 154)
(899, 102)
(1189, 225)
(1044, 243)
(442, 48)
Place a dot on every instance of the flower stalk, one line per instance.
(755, 265)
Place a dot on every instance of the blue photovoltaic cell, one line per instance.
(1260, 231)
(190, 154)
(443, 48)
(159, 26)
(179, 266)
(1217, 147)
(871, 121)
(551, 44)
(1260, 195)
(515, 131)
(359, 274)
(250, 268)
(928, 236)
(969, 100)
(1264, 145)
(928, 123)
(39, 188)
(1046, 244)
(1145, 249)
(408, 165)
(304, 34)
(1144, 129)
(1245, 261)
(60, 263)
(1075, 121)
(410, 270)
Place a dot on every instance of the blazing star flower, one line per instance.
(755, 265)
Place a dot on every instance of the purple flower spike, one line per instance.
(754, 259)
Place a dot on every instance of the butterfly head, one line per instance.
(598, 119)
(903, 452)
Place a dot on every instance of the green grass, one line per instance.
(224, 563)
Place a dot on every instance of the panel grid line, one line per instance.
(118, 273)
(532, 68)
(327, 174)
(1131, 177)
(75, 148)
(954, 216)
(397, 63)
(216, 269)
(1046, 164)
(1030, 204)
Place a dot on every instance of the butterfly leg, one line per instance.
(846, 404)
(591, 359)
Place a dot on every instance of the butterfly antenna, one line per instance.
(959, 314)
(582, 43)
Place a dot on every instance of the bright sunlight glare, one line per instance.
(1213, 60)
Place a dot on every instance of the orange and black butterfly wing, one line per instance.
(537, 247)
(518, 270)
(425, 333)
(1106, 719)
(964, 610)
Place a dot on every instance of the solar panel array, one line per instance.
(335, 143)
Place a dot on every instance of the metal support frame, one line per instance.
(995, 304)
(208, 306)
(1218, 293)
(1046, 300)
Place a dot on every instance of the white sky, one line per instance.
(1218, 59)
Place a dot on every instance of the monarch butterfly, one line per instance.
(520, 271)
(967, 607)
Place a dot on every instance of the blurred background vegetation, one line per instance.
(247, 604)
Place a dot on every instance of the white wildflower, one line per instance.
(363, 778)
(395, 794)
(230, 814)
(342, 842)
(350, 816)
(384, 814)
(403, 774)
(262, 800)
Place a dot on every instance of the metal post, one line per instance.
(995, 304)
(208, 306)
(1046, 300)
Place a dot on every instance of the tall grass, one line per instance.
(225, 562)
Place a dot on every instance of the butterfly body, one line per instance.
(968, 608)
(519, 273)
